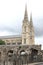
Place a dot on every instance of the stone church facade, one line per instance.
(21, 49)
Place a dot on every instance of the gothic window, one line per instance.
(30, 32)
(24, 41)
(25, 28)
(30, 37)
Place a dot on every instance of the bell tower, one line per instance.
(25, 28)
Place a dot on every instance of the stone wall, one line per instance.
(20, 54)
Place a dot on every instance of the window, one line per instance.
(30, 34)
(30, 37)
(25, 28)
(19, 43)
(24, 41)
(7, 40)
(8, 43)
(13, 43)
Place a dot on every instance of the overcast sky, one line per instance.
(12, 13)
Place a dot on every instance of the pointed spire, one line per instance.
(31, 23)
(26, 15)
(31, 17)
(31, 30)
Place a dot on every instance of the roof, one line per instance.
(10, 36)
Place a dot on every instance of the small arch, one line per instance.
(34, 51)
(10, 51)
(22, 52)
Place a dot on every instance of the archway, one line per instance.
(10, 52)
(34, 53)
(23, 56)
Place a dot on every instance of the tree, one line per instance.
(2, 42)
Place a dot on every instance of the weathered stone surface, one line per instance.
(20, 54)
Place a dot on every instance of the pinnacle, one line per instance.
(26, 14)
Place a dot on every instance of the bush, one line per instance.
(2, 42)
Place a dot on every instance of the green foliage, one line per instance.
(2, 42)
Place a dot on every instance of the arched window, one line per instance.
(25, 28)
(24, 41)
(30, 34)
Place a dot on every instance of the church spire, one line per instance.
(31, 23)
(26, 14)
(31, 30)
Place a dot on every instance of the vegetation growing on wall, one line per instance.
(2, 42)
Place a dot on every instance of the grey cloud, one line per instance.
(13, 27)
(17, 27)
(38, 33)
(38, 26)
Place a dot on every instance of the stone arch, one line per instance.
(21, 50)
(23, 56)
(10, 53)
(34, 51)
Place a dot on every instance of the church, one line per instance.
(21, 49)
(27, 36)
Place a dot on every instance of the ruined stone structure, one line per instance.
(20, 54)
(21, 49)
